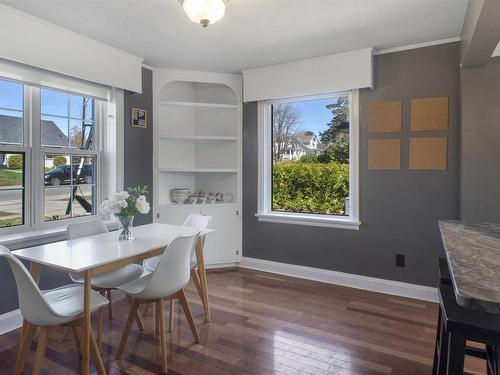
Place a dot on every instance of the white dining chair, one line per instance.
(46, 309)
(196, 221)
(108, 281)
(166, 282)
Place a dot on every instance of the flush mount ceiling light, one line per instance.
(205, 12)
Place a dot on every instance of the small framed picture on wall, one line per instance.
(139, 118)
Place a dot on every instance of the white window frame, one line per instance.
(41, 151)
(265, 212)
(34, 171)
(26, 149)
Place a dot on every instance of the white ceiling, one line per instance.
(254, 32)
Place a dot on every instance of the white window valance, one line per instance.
(44, 78)
(321, 75)
(32, 41)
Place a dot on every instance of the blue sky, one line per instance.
(53, 103)
(11, 95)
(315, 115)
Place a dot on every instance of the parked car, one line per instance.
(61, 175)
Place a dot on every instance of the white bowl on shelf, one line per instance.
(179, 195)
(179, 199)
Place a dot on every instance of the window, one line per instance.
(308, 160)
(67, 127)
(12, 155)
(49, 155)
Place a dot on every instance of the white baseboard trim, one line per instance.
(10, 321)
(211, 266)
(372, 284)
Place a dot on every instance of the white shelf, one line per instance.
(200, 137)
(171, 204)
(198, 104)
(197, 170)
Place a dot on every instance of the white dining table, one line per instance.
(95, 254)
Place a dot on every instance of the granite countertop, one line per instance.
(473, 253)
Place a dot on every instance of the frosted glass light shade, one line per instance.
(205, 12)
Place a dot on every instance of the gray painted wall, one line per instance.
(480, 179)
(399, 209)
(480, 32)
(138, 150)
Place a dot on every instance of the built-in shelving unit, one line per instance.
(198, 120)
(197, 170)
(197, 205)
(200, 138)
(197, 104)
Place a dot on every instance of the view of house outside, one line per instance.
(66, 123)
(310, 141)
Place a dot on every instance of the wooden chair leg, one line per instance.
(40, 350)
(67, 332)
(137, 318)
(110, 305)
(100, 318)
(146, 309)
(163, 338)
(76, 336)
(96, 355)
(189, 316)
(196, 279)
(171, 316)
(126, 331)
(157, 321)
(24, 347)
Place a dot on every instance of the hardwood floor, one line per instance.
(266, 324)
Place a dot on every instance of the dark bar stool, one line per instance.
(459, 324)
(444, 272)
(488, 353)
(445, 279)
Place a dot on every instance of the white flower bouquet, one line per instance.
(125, 205)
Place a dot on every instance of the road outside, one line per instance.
(56, 202)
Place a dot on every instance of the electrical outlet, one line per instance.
(400, 261)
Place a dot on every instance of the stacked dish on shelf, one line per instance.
(179, 195)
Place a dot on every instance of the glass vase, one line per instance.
(125, 228)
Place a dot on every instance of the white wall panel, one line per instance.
(339, 72)
(33, 41)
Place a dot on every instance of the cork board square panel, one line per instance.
(429, 114)
(384, 154)
(384, 117)
(429, 153)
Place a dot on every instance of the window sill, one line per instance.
(40, 237)
(311, 220)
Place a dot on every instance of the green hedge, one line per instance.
(15, 161)
(59, 160)
(310, 188)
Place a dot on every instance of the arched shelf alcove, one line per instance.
(198, 129)
(198, 93)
